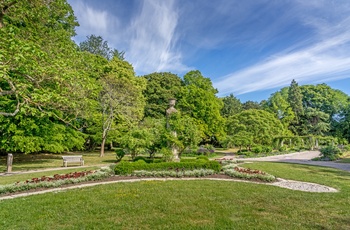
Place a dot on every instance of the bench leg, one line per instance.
(65, 163)
(82, 163)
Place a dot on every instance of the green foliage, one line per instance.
(267, 149)
(189, 132)
(137, 141)
(232, 106)
(174, 173)
(121, 99)
(31, 134)
(199, 101)
(257, 149)
(160, 88)
(120, 153)
(254, 126)
(251, 105)
(96, 45)
(126, 168)
(278, 104)
(330, 152)
(295, 99)
(205, 158)
(167, 155)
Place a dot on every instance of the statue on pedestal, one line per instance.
(170, 111)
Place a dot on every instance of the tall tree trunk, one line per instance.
(102, 153)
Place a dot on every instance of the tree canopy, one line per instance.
(57, 96)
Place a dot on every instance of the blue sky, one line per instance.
(250, 48)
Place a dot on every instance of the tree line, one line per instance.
(57, 96)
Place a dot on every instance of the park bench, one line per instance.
(73, 159)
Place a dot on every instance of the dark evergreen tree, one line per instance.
(295, 99)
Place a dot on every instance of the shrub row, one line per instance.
(186, 173)
(126, 168)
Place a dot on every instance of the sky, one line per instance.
(249, 48)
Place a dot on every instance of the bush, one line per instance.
(182, 173)
(257, 149)
(267, 149)
(167, 155)
(126, 168)
(203, 158)
(139, 158)
(282, 148)
(330, 152)
(120, 154)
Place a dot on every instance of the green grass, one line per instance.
(25, 162)
(190, 204)
(10, 179)
(345, 158)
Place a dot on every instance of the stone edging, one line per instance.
(289, 184)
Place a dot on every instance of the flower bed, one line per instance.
(247, 174)
(56, 180)
(58, 177)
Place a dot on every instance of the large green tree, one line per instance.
(295, 99)
(232, 106)
(44, 82)
(199, 101)
(121, 99)
(259, 126)
(278, 104)
(160, 88)
(97, 45)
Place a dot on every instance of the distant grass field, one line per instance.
(190, 204)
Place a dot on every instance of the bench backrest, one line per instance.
(72, 158)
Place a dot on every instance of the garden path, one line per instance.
(298, 158)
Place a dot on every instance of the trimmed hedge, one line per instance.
(126, 168)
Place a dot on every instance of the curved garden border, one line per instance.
(288, 184)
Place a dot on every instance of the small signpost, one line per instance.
(9, 162)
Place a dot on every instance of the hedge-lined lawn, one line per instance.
(25, 162)
(190, 205)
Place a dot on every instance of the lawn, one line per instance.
(25, 162)
(190, 204)
(345, 158)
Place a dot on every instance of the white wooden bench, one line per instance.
(73, 159)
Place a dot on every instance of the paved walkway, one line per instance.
(298, 158)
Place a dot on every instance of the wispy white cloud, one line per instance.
(92, 20)
(326, 59)
(154, 39)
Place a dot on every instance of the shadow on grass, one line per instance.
(109, 161)
(320, 170)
